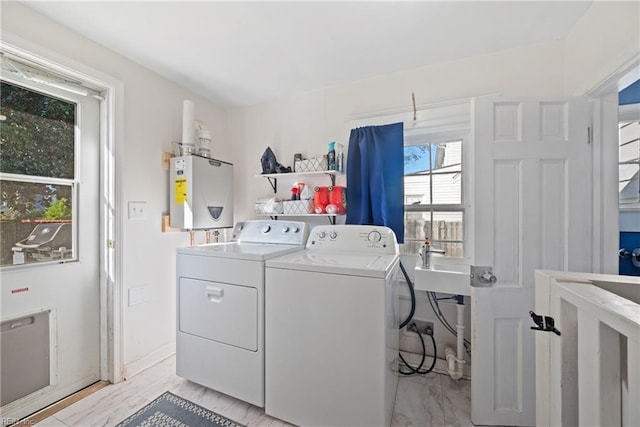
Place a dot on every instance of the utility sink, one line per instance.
(445, 278)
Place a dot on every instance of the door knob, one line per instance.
(635, 257)
(488, 277)
(482, 277)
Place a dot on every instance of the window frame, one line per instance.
(446, 119)
(73, 183)
(427, 136)
(626, 114)
(635, 201)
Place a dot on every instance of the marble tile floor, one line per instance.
(422, 401)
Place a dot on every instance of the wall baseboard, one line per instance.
(149, 360)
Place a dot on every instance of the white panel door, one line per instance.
(532, 183)
(66, 287)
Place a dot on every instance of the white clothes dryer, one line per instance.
(331, 329)
(220, 307)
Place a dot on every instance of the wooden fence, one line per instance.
(447, 235)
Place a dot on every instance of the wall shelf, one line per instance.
(273, 177)
(331, 217)
(273, 180)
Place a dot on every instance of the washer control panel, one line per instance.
(357, 238)
(272, 231)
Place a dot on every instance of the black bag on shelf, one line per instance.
(270, 164)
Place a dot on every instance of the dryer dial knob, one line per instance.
(265, 229)
(333, 235)
(294, 229)
(374, 236)
(285, 229)
(322, 235)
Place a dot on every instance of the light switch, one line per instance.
(137, 210)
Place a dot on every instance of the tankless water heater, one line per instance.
(201, 192)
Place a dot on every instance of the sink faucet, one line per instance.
(426, 253)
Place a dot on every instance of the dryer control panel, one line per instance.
(355, 238)
(272, 231)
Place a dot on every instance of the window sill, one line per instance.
(631, 207)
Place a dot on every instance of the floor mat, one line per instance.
(171, 410)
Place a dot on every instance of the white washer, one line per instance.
(220, 307)
(332, 329)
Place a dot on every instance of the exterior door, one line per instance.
(50, 291)
(533, 198)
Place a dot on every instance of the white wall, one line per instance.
(307, 122)
(606, 36)
(150, 119)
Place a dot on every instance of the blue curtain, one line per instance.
(375, 177)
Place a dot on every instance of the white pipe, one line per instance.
(460, 330)
(456, 359)
(450, 355)
(188, 126)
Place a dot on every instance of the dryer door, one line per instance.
(220, 312)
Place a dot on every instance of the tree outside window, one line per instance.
(37, 169)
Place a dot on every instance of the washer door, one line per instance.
(220, 312)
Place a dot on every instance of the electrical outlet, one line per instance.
(422, 326)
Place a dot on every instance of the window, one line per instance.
(435, 147)
(37, 176)
(434, 195)
(629, 163)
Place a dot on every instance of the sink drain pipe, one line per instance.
(455, 359)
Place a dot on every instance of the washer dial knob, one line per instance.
(265, 229)
(285, 229)
(322, 235)
(374, 236)
(333, 235)
(294, 229)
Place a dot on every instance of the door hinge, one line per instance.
(111, 244)
(589, 135)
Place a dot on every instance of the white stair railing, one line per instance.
(590, 373)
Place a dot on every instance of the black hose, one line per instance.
(413, 371)
(413, 298)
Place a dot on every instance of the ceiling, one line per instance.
(244, 53)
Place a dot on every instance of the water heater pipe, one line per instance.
(188, 126)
